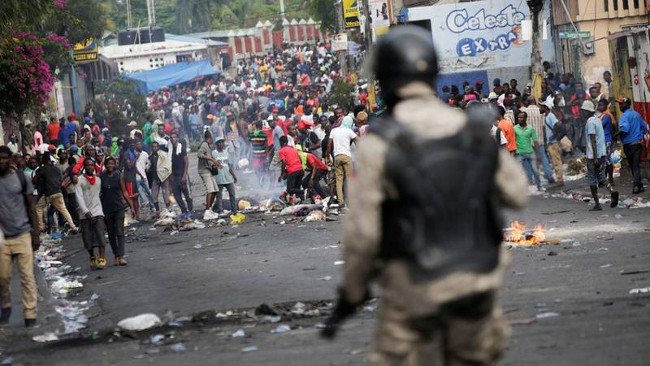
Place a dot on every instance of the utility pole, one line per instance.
(536, 71)
(368, 31)
(340, 28)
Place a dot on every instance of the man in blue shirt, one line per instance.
(607, 120)
(632, 127)
(596, 153)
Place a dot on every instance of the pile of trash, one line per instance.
(64, 283)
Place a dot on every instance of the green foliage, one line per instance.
(78, 20)
(18, 13)
(112, 97)
(323, 11)
(188, 16)
(341, 93)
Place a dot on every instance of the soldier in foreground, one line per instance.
(425, 219)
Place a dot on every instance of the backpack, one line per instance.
(444, 217)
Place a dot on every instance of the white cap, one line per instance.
(132, 124)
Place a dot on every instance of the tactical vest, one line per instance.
(445, 217)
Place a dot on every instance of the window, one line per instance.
(626, 4)
(606, 5)
(636, 4)
(615, 5)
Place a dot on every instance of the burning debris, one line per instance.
(519, 235)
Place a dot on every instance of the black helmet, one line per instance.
(404, 55)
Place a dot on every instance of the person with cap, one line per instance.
(632, 129)
(609, 125)
(439, 268)
(596, 154)
(205, 167)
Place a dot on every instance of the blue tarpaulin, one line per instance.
(170, 75)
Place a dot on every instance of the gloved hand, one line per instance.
(342, 310)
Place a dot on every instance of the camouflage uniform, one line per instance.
(453, 318)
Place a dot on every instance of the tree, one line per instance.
(193, 15)
(323, 11)
(341, 94)
(78, 20)
(17, 13)
(116, 95)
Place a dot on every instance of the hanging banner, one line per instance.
(351, 13)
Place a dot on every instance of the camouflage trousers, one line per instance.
(469, 331)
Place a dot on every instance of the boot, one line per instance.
(5, 314)
(30, 323)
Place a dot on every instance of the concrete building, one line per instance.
(588, 54)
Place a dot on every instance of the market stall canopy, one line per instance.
(170, 75)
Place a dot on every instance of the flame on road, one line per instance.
(520, 235)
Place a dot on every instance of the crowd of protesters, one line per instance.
(276, 120)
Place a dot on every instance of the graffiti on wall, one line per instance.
(508, 19)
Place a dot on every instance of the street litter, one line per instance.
(221, 222)
(326, 278)
(605, 266)
(249, 349)
(157, 338)
(299, 308)
(549, 314)
(282, 329)
(316, 215)
(338, 263)
(243, 205)
(63, 286)
(140, 322)
(198, 246)
(164, 222)
(297, 210)
(636, 291)
(239, 333)
(178, 347)
(47, 337)
(196, 224)
(237, 218)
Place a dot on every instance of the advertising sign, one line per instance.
(86, 51)
(351, 13)
(340, 42)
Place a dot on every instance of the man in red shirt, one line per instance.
(291, 170)
(317, 171)
(53, 130)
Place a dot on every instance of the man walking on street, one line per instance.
(633, 128)
(608, 121)
(552, 142)
(596, 153)
(439, 268)
(180, 165)
(340, 141)
(536, 121)
(20, 227)
(48, 180)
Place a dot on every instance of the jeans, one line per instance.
(115, 229)
(546, 167)
(320, 175)
(343, 165)
(528, 163)
(92, 232)
(231, 193)
(633, 154)
(293, 182)
(145, 192)
(179, 189)
(18, 249)
(156, 187)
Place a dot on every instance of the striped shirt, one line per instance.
(258, 141)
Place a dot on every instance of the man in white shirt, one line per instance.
(339, 145)
(141, 176)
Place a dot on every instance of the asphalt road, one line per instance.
(586, 280)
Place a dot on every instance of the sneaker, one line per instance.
(30, 323)
(101, 263)
(93, 262)
(210, 215)
(5, 314)
(122, 261)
